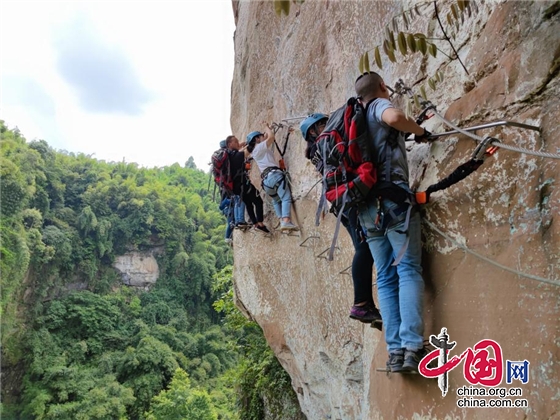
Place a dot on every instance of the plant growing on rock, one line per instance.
(398, 37)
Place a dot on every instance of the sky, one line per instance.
(140, 81)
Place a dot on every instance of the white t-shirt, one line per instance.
(264, 156)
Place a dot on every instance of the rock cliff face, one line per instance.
(508, 211)
(138, 269)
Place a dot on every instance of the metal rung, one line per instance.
(488, 125)
(326, 250)
(345, 271)
(295, 118)
(308, 238)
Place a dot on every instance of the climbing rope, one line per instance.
(497, 143)
(488, 260)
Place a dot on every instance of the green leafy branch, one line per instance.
(406, 43)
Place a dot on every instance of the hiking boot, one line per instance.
(242, 225)
(367, 313)
(412, 359)
(395, 362)
(262, 229)
(288, 226)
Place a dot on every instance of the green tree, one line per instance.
(190, 163)
(181, 402)
(261, 384)
(107, 351)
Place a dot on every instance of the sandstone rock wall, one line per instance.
(138, 269)
(508, 211)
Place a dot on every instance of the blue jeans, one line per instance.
(400, 288)
(238, 209)
(229, 227)
(276, 186)
(227, 210)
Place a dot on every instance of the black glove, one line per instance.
(424, 138)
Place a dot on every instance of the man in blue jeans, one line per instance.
(274, 180)
(391, 236)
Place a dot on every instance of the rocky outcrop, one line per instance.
(507, 212)
(138, 269)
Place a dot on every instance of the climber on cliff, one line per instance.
(274, 180)
(364, 309)
(393, 228)
(242, 186)
(236, 193)
(226, 205)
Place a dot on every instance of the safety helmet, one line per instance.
(309, 122)
(223, 144)
(252, 136)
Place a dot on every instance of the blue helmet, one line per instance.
(223, 144)
(252, 136)
(309, 122)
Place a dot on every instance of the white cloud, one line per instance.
(181, 52)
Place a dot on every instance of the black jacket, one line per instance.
(237, 168)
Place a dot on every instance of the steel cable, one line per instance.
(488, 260)
(498, 144)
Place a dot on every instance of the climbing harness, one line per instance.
(281, 164)
(272, 190)
(487, 147)
(275, 127)
(484, 150)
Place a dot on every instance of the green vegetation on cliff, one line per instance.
(76, 342)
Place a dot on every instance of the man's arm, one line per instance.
(396, 119)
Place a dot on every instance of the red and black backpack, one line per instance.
(345, 157)
(221, 171)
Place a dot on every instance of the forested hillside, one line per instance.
(76, 342)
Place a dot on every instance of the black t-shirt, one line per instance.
(237, 168)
